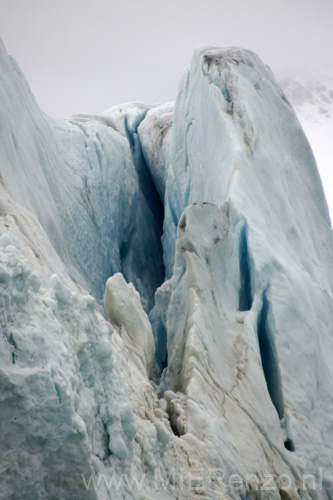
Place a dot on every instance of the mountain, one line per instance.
(311, 94)
(166, 295)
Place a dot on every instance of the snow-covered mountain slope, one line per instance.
(241, 398)
(311, 94)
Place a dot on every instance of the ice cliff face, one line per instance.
(95, 199)
(214, 203)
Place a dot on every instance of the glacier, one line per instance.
(166, 282)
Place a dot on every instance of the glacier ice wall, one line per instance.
(94, 189)
(218, 196)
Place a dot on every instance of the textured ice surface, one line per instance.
(220, 195)
(253, 281)
(75, 409)
(123, 306)
(88, 184)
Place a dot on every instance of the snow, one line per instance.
(214, 203)
(311, 94)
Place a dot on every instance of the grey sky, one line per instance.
(86, 56)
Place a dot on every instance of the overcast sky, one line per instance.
(86, 56)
